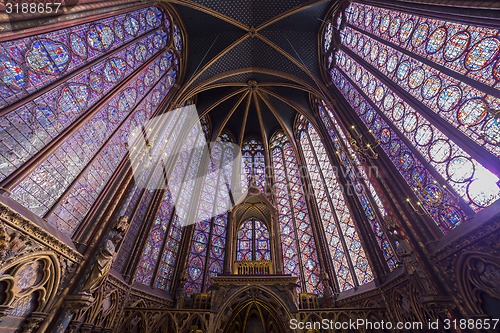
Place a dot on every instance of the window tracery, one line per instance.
(206, 256)
(253, 242)
(57, 84)
(253, 164)
(423, 87)
(350, 262)
(300, 256)
(360, 183)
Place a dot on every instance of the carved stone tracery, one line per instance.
(34, 269)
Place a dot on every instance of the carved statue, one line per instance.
(329, 296)
(106, 256)
(101, 268)
(180, 293)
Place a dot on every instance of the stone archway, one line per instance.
(253, 309)
(255, 316)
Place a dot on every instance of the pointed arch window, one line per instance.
(144, 194)
(38, 120)
(208, 245)
(300, 257)
(87, 85)
(155, 241)
(427, 89)
(36, 61)
(350, 261)
(159, 257)
(369, 200)
(252, 243)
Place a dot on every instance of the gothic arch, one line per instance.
(345, 317)
(477, 274)
(371, 315)
(35, 275)
(407, 304)
(197, 320)
(135, 323)
(251, 211)
(139, 304)
(164, 323)
(255, 314)
(108, 309)
(237, 302)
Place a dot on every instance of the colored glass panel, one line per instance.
(401, 155)
(98, 141)
(461, 105)
(29, 127)
(186, 166)
(50, 56)
(206, 257)
(354, 168)
(479, 191)
(155, 240)
(253, 164)
(349, 259)
(252, 241)
(464, 48)
(297, 241)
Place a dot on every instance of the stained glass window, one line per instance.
(96, 148)
(253, 164)
(402, 74)
(466, 49)
(38, 119)
(448, 215)
(159, 255)
(300, 256)
(252, 243)
(136, 206)
(208, 244)
(155, 176)
(168, 260)
(34, 62)
(457, 102)
(155, 241)
(186, 165)
(349, 259)
(89, 85)
(369, 200)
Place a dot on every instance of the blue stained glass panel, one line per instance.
(336, 217)
(52, 55)
(297, 246)
(76, 153)
(66, 102)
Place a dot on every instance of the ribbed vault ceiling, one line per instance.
(252, 64)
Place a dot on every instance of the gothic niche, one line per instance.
(255, 249)
(478, 276)
(28, 285)
(252, 317)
